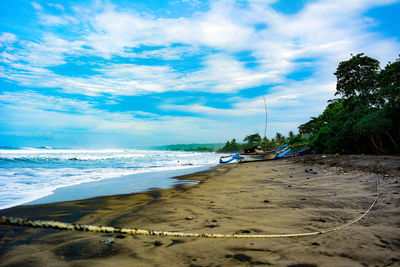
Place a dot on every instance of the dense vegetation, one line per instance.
(191, 147)
(255, 140)
(366, 116)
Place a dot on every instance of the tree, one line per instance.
(311, 127)
(390, 101)
(365, 118)
(291, 135)
(373, 126)
(332, 136)
(279, 138)
(253, 140)
(294, 138)
(231, 147)
(390, 85)
(267, 144)
(357, 77)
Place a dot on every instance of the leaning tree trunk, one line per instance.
(374, 144)
(378, 137)
(391, 139)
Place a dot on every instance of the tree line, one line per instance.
(365, 118)
(191, 147)
(255, 140)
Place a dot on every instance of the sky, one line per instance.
(126, 74)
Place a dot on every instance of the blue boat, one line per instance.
(280, 152)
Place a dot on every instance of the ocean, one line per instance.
(29, 174)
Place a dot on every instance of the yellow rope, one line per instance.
(133, 231)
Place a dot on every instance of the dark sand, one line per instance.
(258, 198)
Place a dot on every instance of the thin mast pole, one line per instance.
(265, 129)
(266, 117)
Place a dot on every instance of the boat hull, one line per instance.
(250, 158)
(281, 153)
(295, 154)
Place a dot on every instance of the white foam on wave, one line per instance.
(66, 154)
(20, 184)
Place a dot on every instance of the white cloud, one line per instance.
(323, 32)
(223, 73)
(221, 27)
(37, 6)
(52, 20)
(48, 19)
(287, 106)
(54, 113)
(167, 53)
(38, 101)
(50, 51)
(112, 81)
(7, 38)
(57, 6)
(114, 31)
(33, 114)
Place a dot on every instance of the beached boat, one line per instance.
(253, 154)
(250, 155)
(295, 153)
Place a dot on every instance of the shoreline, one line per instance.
(37, 211)
(128, 184)
(254, 198)
(46, 176)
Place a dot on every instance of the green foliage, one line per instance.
(253, 140)
(310, 128)
(232, 147)
(293, 138)
(267, 144)
(366, 117)
(279, 138)
(191, 147)
(357, 77)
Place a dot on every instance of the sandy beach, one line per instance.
(298, 195)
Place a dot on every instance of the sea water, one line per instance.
(28, 174)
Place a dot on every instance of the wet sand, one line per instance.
(306, 194)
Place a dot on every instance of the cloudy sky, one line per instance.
(139, 73)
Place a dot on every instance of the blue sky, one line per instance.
(140, 73)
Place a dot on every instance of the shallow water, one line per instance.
(29, 174)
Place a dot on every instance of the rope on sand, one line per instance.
(133, 231)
